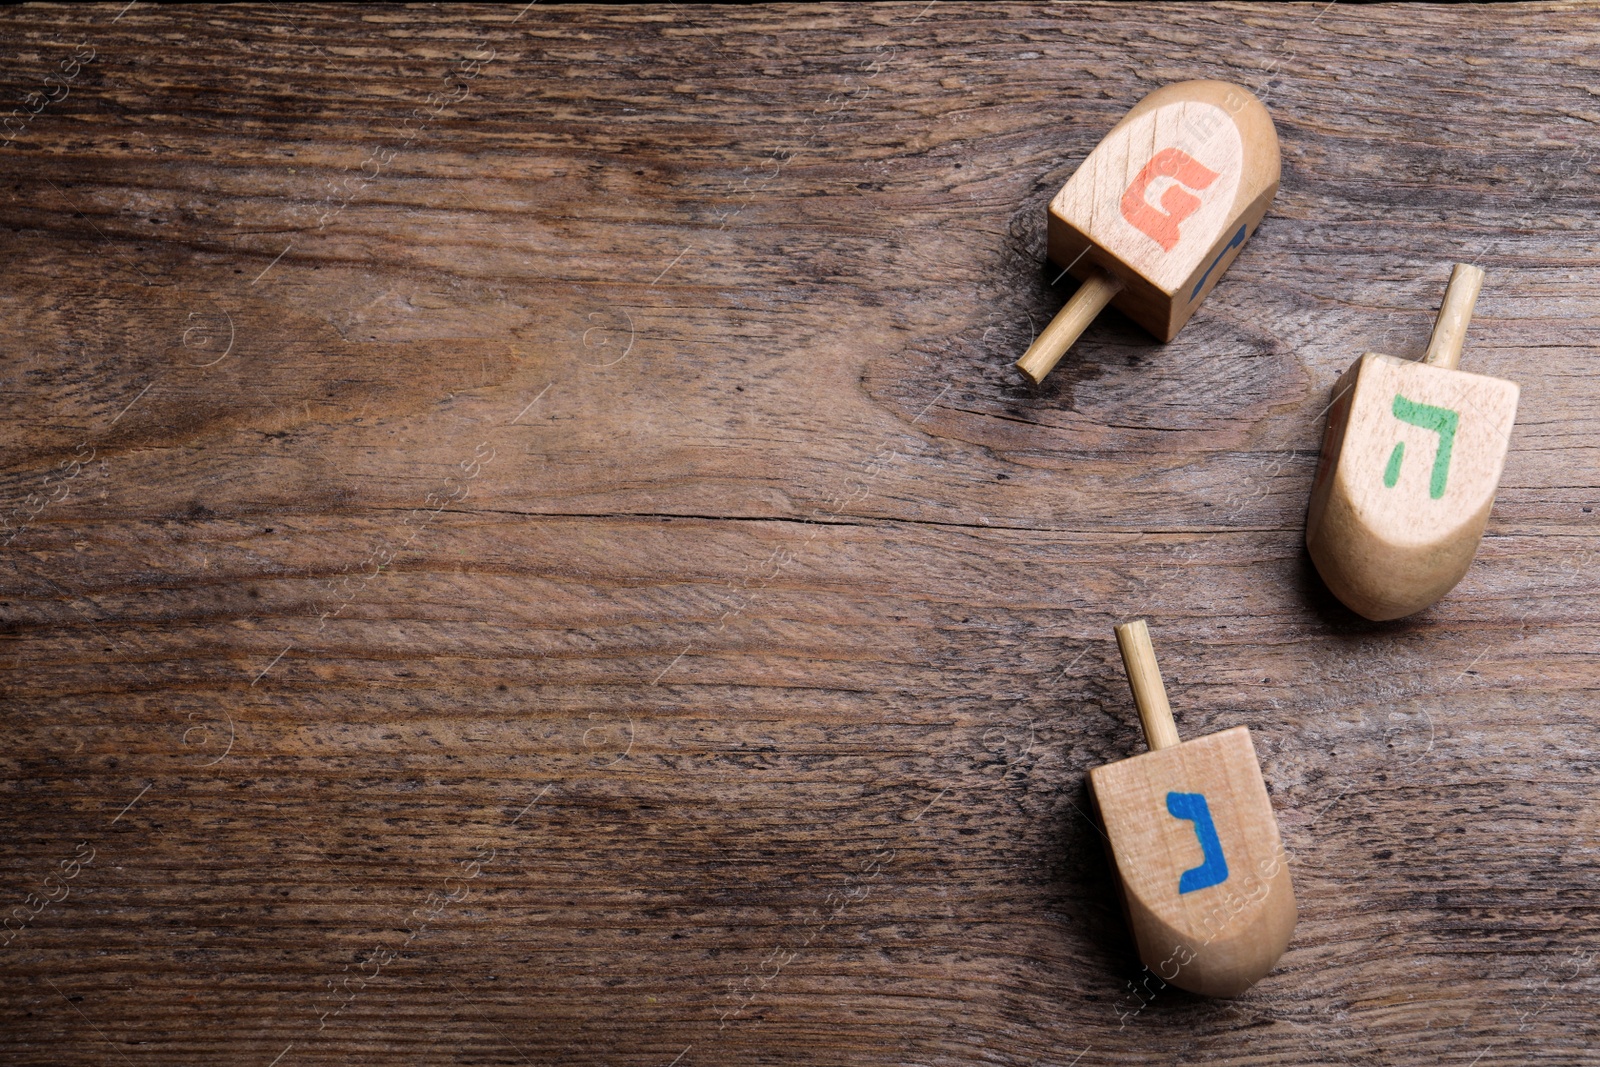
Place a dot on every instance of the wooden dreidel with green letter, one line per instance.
(1204, 879)
(1158, 211)
(1410, 463)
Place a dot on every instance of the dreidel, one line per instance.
(1204, 879)
(1158, 211)
(1410, 463)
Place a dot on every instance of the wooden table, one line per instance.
(525, 545)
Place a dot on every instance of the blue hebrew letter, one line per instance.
(1238, 239)
(1213, 869)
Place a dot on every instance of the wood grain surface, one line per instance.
(524, 543)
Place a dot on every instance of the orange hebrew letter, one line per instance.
(1183, 168)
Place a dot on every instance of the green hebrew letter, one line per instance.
(1391, 473)
(1441, 421)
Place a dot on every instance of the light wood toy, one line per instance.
(1205, 883)
(1158, 211)
(1409, 468)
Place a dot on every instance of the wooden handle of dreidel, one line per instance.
(1450, 327)
(1139, 658)
(1048, 348)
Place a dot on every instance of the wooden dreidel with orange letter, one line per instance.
(1204, 879)
(1410, 463)
(1158, 211)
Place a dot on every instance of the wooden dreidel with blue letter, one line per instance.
(1158, 211)
(1410, 463)
(1191, 833)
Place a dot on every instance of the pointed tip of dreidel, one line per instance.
(1158, 211)
(1195, 846)
(1410, 463)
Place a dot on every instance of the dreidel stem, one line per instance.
(1450, 327)
(1139, 659)
(1047, 349)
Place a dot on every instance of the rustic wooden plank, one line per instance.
(574, 577)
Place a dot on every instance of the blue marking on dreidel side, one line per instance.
(1238, 239)
(1213, 869)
